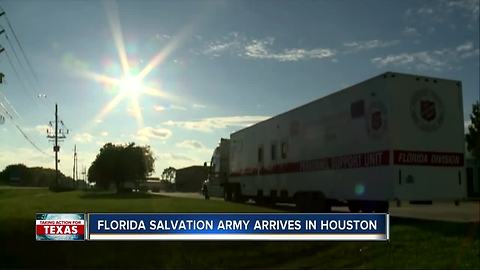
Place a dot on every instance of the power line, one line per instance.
(17, 75)
(22, 132)
(17, 58)
(24, 87)
(9, 105)
(6, 111)
(30, 141)
(34, 88)
(32, 71)
(10, 116)
(25, 57)
(2, 13)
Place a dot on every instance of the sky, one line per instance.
(180, 75)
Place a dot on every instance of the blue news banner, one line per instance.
(223, 226)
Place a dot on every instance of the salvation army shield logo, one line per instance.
(376, 120)
(426, 109)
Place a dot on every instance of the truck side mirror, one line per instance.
(204, 164)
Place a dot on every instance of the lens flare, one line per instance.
(359, 189)
(130, 85)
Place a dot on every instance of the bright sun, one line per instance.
(131, 86)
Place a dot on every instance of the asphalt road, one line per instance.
(467, 211)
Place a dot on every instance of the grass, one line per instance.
(414, 244)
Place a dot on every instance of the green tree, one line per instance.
(16, 174)
(21, 175)
(119, 164)
(473, 135)
(169, 174)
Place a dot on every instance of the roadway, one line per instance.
(467, 211)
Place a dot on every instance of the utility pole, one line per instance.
(75, 174)
(76, 163)
(84, 173)
(2, 118)
(56, 148)
(56, 136)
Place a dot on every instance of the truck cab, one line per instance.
(218, 171)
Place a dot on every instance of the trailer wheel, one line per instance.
(373, 206)
(263, 201)
(305, 202)
(236, 193)
(381, 207)
(301, 202)
(227, 193)
(353, 206)
(321, 203)
(312, 202)
(205, 192)
(367, 206)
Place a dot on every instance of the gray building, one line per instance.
(190, 179)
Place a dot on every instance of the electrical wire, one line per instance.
(33, 73)
(19, 62)
(30, 86)
(25, 57)
(5, 110)
(12, 118)
(19, 45)
(30, 141)
(14, 122)
(17, 75)
(22, 132)
(10, 105)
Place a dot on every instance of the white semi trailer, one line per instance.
(392, 137)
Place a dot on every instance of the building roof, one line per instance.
(191, 167)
